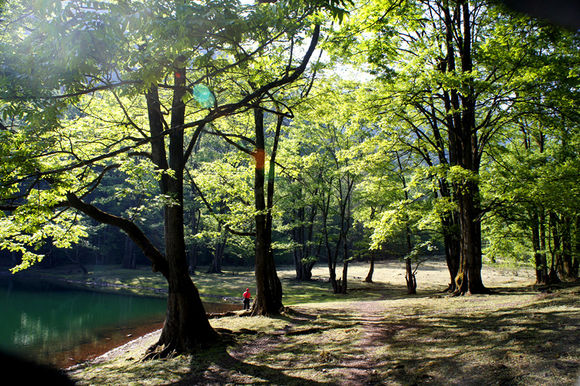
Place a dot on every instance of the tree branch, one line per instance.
(157, 259)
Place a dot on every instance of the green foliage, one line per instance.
(370, 154)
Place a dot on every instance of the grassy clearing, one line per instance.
(516, 336)
(233, 281)
(389, 280)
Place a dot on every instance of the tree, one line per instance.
(122, 68)
(534, 161)
(327, 135)
(450, 75)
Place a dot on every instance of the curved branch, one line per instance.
(130, 228)
(256, 94)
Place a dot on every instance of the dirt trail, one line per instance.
(362, 368)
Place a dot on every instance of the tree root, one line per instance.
(450, 288)
(460, 292)
(160, 351)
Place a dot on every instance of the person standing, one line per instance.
(247, 296)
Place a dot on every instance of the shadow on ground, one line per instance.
(508, 338)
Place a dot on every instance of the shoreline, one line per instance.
(115, 348)
(89, 351)
(114, 352)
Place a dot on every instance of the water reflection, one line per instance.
(42, 321)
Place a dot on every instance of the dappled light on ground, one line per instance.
(515, 336)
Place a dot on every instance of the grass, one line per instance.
(227, 286)
(375, 335)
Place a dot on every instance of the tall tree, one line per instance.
(125, 68)
(451, 75)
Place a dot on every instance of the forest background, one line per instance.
(323, 132)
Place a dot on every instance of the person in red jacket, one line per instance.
(247, 296)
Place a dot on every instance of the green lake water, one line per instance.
(63, 326)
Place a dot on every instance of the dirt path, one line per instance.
(362, 368)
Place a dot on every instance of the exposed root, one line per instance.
(457, 292)
(450, 288)
(481, 291)
(160, 351)
(215, 315)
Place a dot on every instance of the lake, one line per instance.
(63, 326)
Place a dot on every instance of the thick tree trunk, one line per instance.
(466, 153)
(268, 286)
(469, 276)
(186, 325)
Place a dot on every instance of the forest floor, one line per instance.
(378, 335)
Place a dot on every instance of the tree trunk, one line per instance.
(576, 252)
(539, 257)
(308, 253)
(567, 264)
(192, 253)
(410, 278)
(192, 261)
(469, 276)
(186, 325)
(555, 251)
(369, 278)
(409, 275)
(216, 263)
(543, 246)
(299, 240)
(268, 286)
(467, 154)
(451, 242)
(129, 258)
(344, 283)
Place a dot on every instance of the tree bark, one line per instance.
(410, 278)
(369, 278)
(186, 324)
(567, 263)
(216, 263)
(268, 299)
(539, 257)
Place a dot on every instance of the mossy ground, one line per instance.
(377, 335)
